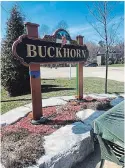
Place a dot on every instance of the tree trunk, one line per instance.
(106, 40)
(106, 76)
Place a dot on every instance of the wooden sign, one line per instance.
(59, 47)
(32, 50)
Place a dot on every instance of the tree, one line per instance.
(93, 50)
(119, 48)
(62, 25)
(105, 27)
(14, 76)
(44, 30)
(101, 43)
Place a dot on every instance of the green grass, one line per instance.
(60, 87)
(116, 65)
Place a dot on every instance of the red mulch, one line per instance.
(58, 116)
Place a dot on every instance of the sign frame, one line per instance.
(34, 69)
(77, 47)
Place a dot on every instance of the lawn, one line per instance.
(116, 65)
(60, 87)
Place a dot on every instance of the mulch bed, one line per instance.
(22, 142)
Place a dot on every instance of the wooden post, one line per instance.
(79, 73)
(35, 82)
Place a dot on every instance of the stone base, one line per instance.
(66, 146)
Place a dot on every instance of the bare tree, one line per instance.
(93, 50)
(101, 43)
(119, 49)
(105, 27)
(62, 25)
(44, 29)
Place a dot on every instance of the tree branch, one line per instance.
(97, 18)
(96, 30)
(99, 10)
(114, 32)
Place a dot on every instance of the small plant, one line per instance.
(104, 105)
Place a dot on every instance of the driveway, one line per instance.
(114, 73)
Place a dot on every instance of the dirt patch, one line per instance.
(21, 149)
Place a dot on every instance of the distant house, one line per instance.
(113, 55)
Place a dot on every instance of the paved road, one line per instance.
(114, 73)
(93, 161)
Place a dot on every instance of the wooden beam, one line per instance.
(79, 73)
(35, 81)
(35, 84)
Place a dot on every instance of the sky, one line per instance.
(74, 13)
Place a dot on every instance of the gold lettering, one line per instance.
(48, 51)
(31, 50)
(58, 53)
(40, 51)
(83, 54)
(78, 53)
(66, 52)
(71, 53)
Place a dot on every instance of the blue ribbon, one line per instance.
(34, 74)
